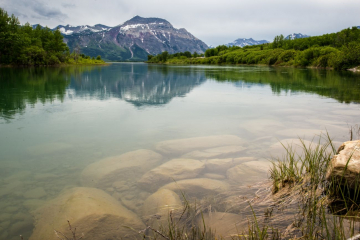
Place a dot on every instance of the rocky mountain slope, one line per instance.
(68, 29)
(242, 42)
(132, 40)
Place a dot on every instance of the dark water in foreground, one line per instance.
(56, 122)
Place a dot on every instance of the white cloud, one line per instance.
(214, 22)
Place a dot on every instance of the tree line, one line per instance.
(25, 45)
(165, 56)
(339, 51)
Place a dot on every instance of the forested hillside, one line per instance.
(336, 50)
(23, 45)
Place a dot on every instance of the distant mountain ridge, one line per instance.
(242, 42)
(133, 40)
(296, 36)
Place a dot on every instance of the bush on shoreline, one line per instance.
(338, 51)
(23, 45)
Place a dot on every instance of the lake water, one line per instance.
(57, 125)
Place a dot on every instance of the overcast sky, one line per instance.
(213, 21)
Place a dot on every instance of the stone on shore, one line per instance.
(157, 207)
(249, 172)
(176, 169)
(221, 165)
(345, 165)
(198, 187)
(218, 152)
(225, 225)
(182, 146)
(214, 176)
(125, 167)
(93, 212)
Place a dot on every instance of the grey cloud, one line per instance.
(47, 12)
(68, 5)
(215, 22)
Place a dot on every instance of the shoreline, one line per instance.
(355, 70)
(56, 65)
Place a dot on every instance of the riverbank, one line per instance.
(316, 57)
(326, 51)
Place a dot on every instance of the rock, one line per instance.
(157, 207)
(249, 172)
(160, 203)
(126, 167)
(35, 193)
(344, 167)
(260, 166)
(110, 190)
(221, 165)
(120, 186)
(214, 176)
(181, 146)
(225, 225)
(176, 169)
(219, 152)
(133, 204)
(198, 186)
(92, 211)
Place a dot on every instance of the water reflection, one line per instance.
(94, 123)
(20, 87)
(139, 84)
(147, 85)
(342, 86)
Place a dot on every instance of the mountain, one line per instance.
(68, 29)
(133, 40)
(242, 42)
(296, 36)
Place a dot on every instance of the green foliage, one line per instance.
(337, 50)
(166, 57)
(23, 45)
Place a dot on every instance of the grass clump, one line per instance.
(310, 206)
(307, 169)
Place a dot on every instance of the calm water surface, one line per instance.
(55, 122)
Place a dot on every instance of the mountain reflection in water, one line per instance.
(152, 85)
(63, 128)
(139, 84)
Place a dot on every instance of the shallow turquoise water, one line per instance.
(56, 121)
